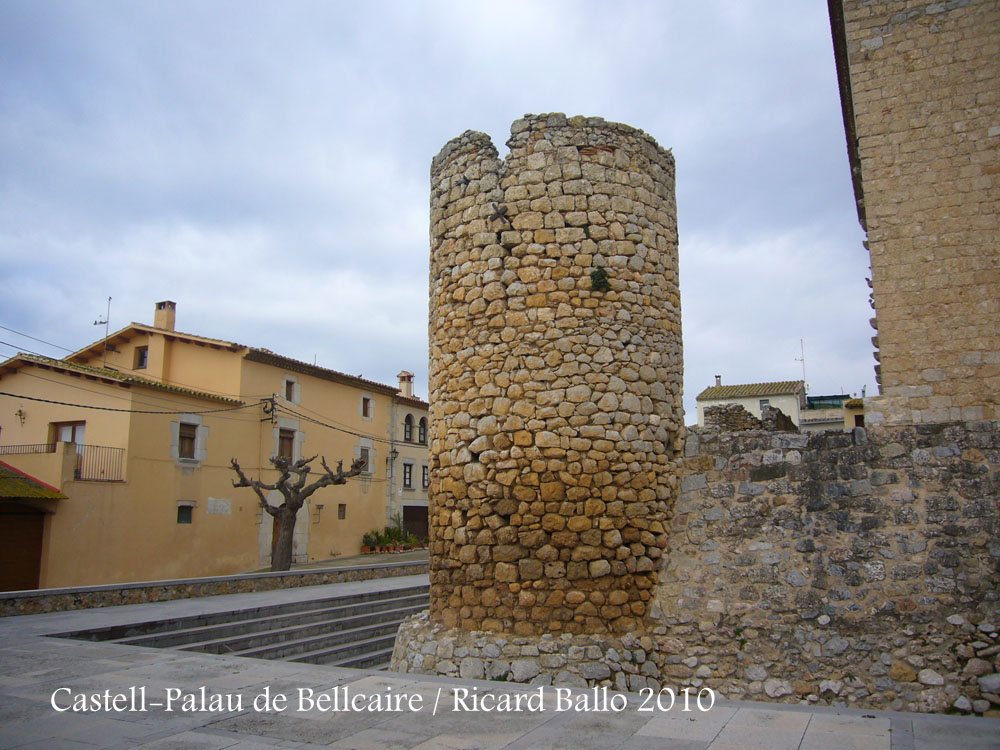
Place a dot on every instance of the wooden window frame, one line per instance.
(187, 440)
(286, 437)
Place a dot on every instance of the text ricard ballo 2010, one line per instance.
(342, 699)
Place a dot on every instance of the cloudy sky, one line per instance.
(265, 165)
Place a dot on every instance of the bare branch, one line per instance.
(340, 477)
(256, 485)
(357, 467)
(340, 465)
(302, 468)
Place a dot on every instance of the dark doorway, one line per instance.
(415, 520)
(21, 530)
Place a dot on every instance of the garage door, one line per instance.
(20, 548)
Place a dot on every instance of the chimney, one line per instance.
(406, 383)
(718, 380)
(165, 315)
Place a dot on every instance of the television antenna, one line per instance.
(802, 359)
(99, 322)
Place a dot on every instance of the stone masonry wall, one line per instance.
(925, 88)
(730, 418)
(835, 567)
(735, 418)
(36, 601)
(555, 377)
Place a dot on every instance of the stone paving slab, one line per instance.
(429, 711)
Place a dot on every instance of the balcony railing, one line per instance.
(94, 463)
(100, 463)
(18, 450)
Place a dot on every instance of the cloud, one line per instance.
(267, 168)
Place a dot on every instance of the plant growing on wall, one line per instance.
(599, 280)
(291, 483)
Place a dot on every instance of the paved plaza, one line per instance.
(60, 693)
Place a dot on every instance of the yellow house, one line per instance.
(138, 430)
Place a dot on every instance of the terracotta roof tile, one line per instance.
(266, 356)
(747, 390)
(16, 484)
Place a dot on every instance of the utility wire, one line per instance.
(141, 380)
(40, 341)
(124, 370)
(136, 400)
(129, 411)
(29, 351)
(285, 409)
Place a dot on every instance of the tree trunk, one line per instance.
(281, 557)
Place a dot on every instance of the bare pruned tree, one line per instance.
(293, 488)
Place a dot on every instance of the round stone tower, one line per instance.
(555, 376)
(555, 385)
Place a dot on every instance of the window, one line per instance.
(68, 432)
(859, 420)
(183, 514)
(764, 402)
(141, 358)
(286, 441)
(408, 428)
(366, 407)
(291, 391)
(187, 436)
(408, 476)
(425, 480)
(342, 511)
(363, 455)
(423, 430)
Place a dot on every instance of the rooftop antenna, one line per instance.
(104, 323)
(802, 359)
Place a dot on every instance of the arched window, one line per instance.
(423, 430)
(408, 428)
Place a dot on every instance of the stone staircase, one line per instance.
(356, 630)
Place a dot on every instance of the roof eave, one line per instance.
(129, 331)
(838, 32)
(267, 357)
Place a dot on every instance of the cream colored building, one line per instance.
(138, 431)
(410, 479)
(823, 413)
(789, 396)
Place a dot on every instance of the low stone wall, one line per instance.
(86, 597)
(626, 663)
(857, 569)
(839, 567)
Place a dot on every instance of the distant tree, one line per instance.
(292, 485)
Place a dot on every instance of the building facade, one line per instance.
(920, 91)
(409, 482)
(138, 431)
(788, 396)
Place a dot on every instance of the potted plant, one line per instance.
(368, 542)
